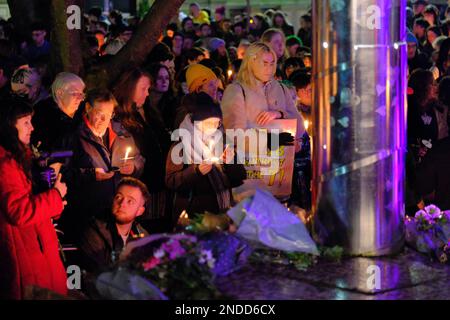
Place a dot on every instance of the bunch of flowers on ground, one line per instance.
(178, 266)
(429, 232)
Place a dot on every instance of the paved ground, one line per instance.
(405, 276)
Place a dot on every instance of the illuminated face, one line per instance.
(277, 44)
(264, 67)
(162, 81)
(419, 31)
(226, 26)
(128, 204)
(429, 17)
(188, 26)
(195, 10)
(418, 9)
(206, 31)
(305, 95)
(210, 88)
(177, 42)
(141, 91)
(38, 37)
(24, 129)
(293, 50)
(412, 48)
(188, 43)
(218, 17)
(222, 50)
(431, 36)
(209, 126)
(279, 21)
(433, 90)
(70, 97)
(99, 116)
(307, 62)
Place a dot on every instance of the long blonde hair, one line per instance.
(254, 52)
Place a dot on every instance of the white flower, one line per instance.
(207, 256)
(211, 263)
(159, 253)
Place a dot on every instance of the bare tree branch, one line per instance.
(145, 38)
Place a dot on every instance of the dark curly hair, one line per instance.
(12, 110)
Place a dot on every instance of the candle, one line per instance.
(211, 148)
(230, 73)
(127, 153)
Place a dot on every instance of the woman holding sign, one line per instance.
(256, 99)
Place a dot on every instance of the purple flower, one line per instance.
(174, 249)
(421, 215)
(446, 215)
(433, 211)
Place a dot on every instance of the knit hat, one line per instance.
(197, 75)
(220, 10)
(410, 38)
(201, 106)
(23, 79)
(215, 43)
(293, 40)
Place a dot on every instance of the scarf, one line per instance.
(202, 146)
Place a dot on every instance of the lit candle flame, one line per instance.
(127, 153)
(306, 124)
(230, 73)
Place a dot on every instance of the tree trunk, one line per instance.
(145, 38)
(67, 45)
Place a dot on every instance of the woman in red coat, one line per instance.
(28, 244)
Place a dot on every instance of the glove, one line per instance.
(284, 138)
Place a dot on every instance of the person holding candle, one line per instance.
(29, 245)
(203, 180)
(143, 120)
(104, 152)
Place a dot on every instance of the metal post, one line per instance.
(359, 124)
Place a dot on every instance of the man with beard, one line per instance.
(103, 240)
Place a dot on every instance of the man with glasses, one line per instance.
(59, 115)
(104, 152)
(40, 46)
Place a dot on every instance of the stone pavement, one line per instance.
(406, 276)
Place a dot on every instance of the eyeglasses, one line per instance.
(103, 116)
(75, 94)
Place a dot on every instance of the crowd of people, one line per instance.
(97, 161)
(428, 118)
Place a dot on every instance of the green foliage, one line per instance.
(333, 254)
(143, 7)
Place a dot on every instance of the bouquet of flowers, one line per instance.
(429, 232)
(177, 264)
